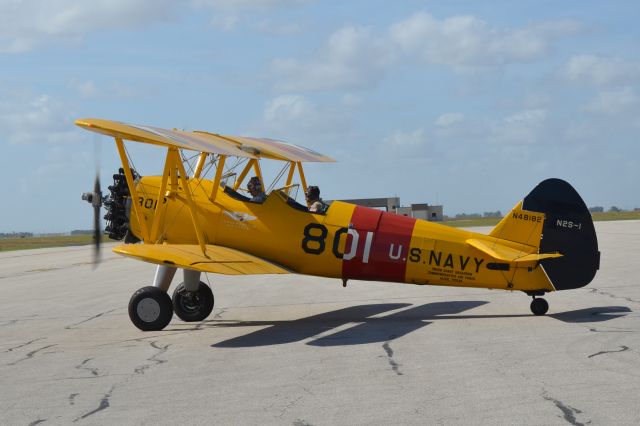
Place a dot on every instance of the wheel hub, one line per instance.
(148, 310)
(190, 301)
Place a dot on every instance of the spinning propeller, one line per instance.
(95, 199)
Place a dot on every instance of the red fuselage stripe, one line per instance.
(383, 245)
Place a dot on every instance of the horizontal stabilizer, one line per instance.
(508, 254)
(219, 260)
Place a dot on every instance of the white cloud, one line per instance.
(406, 144)
(295, 115)
(28, 24)
(280, 29)
(449, 119)
(25, 25)
(355, 57)
(107, 90)
(522, 128)
(225, 22)
(228, 14)
(351, 58)
(467, 42)
(600, 70)
(27, 119)
(86, 89)
(249, 5)
(537, 100)
(528, 117)
(614, 102)
(288, 108)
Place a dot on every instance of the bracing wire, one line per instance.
(278, 177)
(188, 161)
(133, 166)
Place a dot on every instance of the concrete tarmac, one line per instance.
(297, 350)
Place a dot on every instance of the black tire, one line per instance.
(193, 306)
(150, 309)
(539, 306)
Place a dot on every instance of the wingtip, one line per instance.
(83, 122)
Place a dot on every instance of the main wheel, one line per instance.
(150, 309)
(539, 306)
(193, 306)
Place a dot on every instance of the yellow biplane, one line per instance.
(189, 221)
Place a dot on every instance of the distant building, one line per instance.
(427, 212)
(404, 211)
(388, 204)
(392, 204)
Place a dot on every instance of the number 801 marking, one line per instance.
(317, 242)
(315, 239)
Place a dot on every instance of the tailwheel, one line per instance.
(193, 306)
(150, 309)
(539, 306)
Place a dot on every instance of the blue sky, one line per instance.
(466, 104)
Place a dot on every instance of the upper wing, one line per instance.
(280, 150)
(238, 146)
(221, 260)
(508, 254)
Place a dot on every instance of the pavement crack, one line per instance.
(24, 344)
(36, 422)
(568, 412)
(613, 296)
(82, 366)
(219, 314)
(153, 358)
(307, 390)
(289, 405)
(9, 322)
(104, 404)
(307, 374)
(30, 355)
(394, 365)
(595, 330)
(72, 398)
(69, 327)
(622, 349)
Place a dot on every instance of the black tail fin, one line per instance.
(568, 229)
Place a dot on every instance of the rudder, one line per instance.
(554, 219)
(568, 229)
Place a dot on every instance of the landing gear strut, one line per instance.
(539, 306)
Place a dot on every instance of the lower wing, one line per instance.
(219, 260)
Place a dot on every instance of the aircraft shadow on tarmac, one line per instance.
(596, 314)
(368, 327)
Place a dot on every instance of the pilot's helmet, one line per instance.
(254, 184)
(313, 193)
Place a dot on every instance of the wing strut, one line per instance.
(302, 179)
(292, 169)
(218, 178)
(187, 192)
(132, 189)
(161, 206)
(202, 158)
(173, 168)
(256, 168)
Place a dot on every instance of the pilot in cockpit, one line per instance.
(255, 189)
(316, 205)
